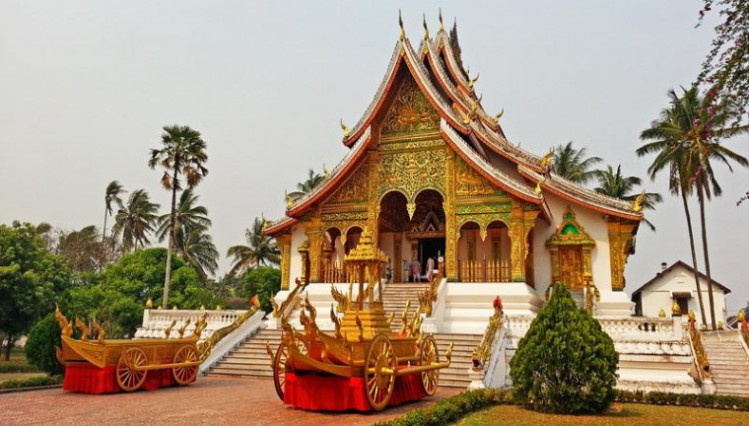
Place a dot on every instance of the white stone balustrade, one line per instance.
(155, 322)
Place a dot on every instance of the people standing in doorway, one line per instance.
(416, 270)
(430, 269)
(407, 270)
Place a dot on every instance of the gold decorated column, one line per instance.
(451, 221)
(284, 243)
(620, 246)
(314, 235)
(521, 223)
(373, 207)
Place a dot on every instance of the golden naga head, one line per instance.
(473, 81)
(400, 24)
(538, 189)
(346, 130)
(426, 29)
(637, 205)
(547, 159)
(498, 116)
(289, 201)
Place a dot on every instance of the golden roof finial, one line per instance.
(675, 308)
(400, 24)
(473, 81)
(426, 29)
(547, 158)
(346, 130)
(498, 116)
(265, 221)
(537, 190)
(442, 24)
(289, 201)
(662, 314)
(149, 303)
(637, 204)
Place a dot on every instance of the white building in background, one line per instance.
(676, 283)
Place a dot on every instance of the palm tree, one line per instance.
(262, 250)
(136, 220)
(572, 164)
(191, 239)
(686, 137)
(313, 180)
(615, 185)
(182, 154)
(111, 195)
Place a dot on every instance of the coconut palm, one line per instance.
(111, 196)
(262, 250)
(572, 164)
(686, 138)
(313, 180)
(615, 185)
(135, 220)
(182, 155)
(191, 238)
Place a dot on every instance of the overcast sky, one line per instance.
(86, 86)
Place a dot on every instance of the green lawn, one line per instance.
(629, 414)
(16, 364)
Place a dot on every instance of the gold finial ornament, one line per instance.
(691, 315)
(400, 24)
(325, 171)
(346, 130)
(265, 221)
(149, 303)
(442, 24)
(675, 309)
(498, 116)
(473, 81)
(289, 201)
(547, 159)
(637, 205)
(662, 314)
(741, 316)
(538, 189)
(426, 29)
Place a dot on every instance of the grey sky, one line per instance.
(85, 87)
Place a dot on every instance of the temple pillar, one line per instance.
(373, 207)
(620, 246)
(451, 221)
(304, 254)
(521, 223)
(284, 244)
(315, 238)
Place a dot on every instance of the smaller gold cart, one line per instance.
(132, 359)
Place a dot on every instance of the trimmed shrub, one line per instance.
(565, 363)
(31, 382)
(42, 340)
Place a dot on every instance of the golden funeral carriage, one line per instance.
(132, 359)
(363, 344)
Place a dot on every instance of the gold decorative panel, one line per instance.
(469, 182)
(411, 111)
(621, 244)
(412, 171)
(570, 246)
(354, 189)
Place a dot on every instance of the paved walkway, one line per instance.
(209, 401)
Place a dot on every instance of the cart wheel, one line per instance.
(378, 384)
(429, 355)
(129, 376)
(185, 375)
(279, 368)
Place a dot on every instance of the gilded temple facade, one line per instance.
(433, 176)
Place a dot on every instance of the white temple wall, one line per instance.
(298, 236)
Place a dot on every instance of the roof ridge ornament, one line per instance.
(346, 130)
(498, 116)
(442, 24)
(473, 81)
(400, 24)
(426, 29)
(637, 204)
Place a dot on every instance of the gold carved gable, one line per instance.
(468, 182)
(410, 112)
(412, 171)
(354, 189)
(570, 232)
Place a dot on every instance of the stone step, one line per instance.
(239, 373)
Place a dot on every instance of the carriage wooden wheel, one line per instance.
(429, 355)
(279, 368)
(185, 374)
(129, 375)
(379, 368)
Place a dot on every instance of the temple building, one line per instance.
(432, 175)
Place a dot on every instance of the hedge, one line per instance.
(32, 382)
(17, 367)
(454, 408)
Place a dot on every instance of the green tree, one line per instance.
(30, 277)
(41, 342)
(84, 249)
(134, 221)
(615, 185)
(192, 241)
(111, 196)
(572, 164)
(313, 180)
(182, 154)
(685, 139)
(262, 250)
(565, 363)
(265, 281)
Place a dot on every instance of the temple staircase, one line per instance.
(249, 359)
(396, 295)
(729, 363)
(456, 376)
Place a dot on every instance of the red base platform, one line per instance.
(94, 380)
(332, 393)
